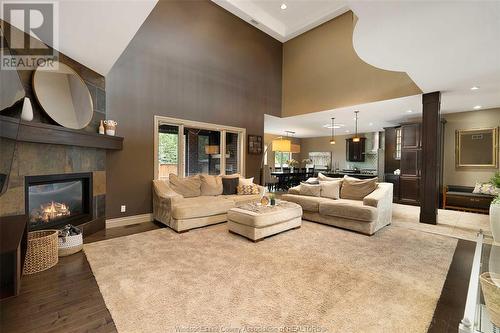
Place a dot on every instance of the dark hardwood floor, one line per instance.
(66, 298)
(450, 308)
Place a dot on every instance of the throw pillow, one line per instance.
(229, 185)
(188, 187)
(485, 188)
(246, 181)
(331, 189)
(211, 185)
(310, 190)
(322, 177)
(248, 189)
(312, 181)
(357, 189)
(294, 190)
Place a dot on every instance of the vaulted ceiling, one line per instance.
(441, 45)
(95, 33)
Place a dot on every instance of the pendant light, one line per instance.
(332, 139)
(356, 136)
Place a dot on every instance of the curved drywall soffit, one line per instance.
(393, 67)
(307, 86)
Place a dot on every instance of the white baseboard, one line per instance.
(127, 220)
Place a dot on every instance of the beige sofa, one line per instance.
(182, 214)
(365, 216)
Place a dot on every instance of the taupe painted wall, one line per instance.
(466, 120)
(191, 60)
(322, 71)
(322, 144)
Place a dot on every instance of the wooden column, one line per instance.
(431, 143)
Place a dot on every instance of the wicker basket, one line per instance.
(70, 244)
(491, 294)
(42, 251)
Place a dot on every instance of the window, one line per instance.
(168, 150)
(281, 159)
(398, 144)
(186, 148)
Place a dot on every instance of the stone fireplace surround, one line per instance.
(39, 159)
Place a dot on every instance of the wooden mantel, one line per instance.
(53, 134)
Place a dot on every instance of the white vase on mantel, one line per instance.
(495, 222)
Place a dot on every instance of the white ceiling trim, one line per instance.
(283, 25)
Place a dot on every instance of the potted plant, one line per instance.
(292, 163)
(495, 210)
(306, 162)
(272, 198)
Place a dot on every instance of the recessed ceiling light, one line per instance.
(474, 88)
(477, 107)
(370, 124)
(347, 131)
(409, 111)
(283, 6)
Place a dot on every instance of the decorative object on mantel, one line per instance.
(495, 211)
(101, 127)
(491, 292)
(42, 251)
(254, 144)
(70, 240)
(63, 95)
(110, 126)
(27, 113)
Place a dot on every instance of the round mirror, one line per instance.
(64, 96)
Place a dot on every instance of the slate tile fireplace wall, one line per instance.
(37, 159)
(34, 159)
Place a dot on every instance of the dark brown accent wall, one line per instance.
(191, 60)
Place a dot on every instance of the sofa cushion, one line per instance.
(245, 181)
(294, 190)
(357, 189)
(310, 190)
(229, 185)
(485, 188)
(349, 209)
(211, 185)
(322, 177)
(308, 203)
(330, 189)
(242, 199)
(202, 206)
(188, 187)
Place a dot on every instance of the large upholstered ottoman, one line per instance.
(256, 222)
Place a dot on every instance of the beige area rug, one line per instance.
(450, 222)
(319, 278)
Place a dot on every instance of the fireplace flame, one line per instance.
(49, 211)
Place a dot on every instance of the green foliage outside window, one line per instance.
(168, 148)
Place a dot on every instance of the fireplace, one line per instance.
(55, 200)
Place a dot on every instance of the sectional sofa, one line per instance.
(185, 205)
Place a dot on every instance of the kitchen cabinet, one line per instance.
(355, 151)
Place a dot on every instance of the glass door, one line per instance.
(168, 150)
